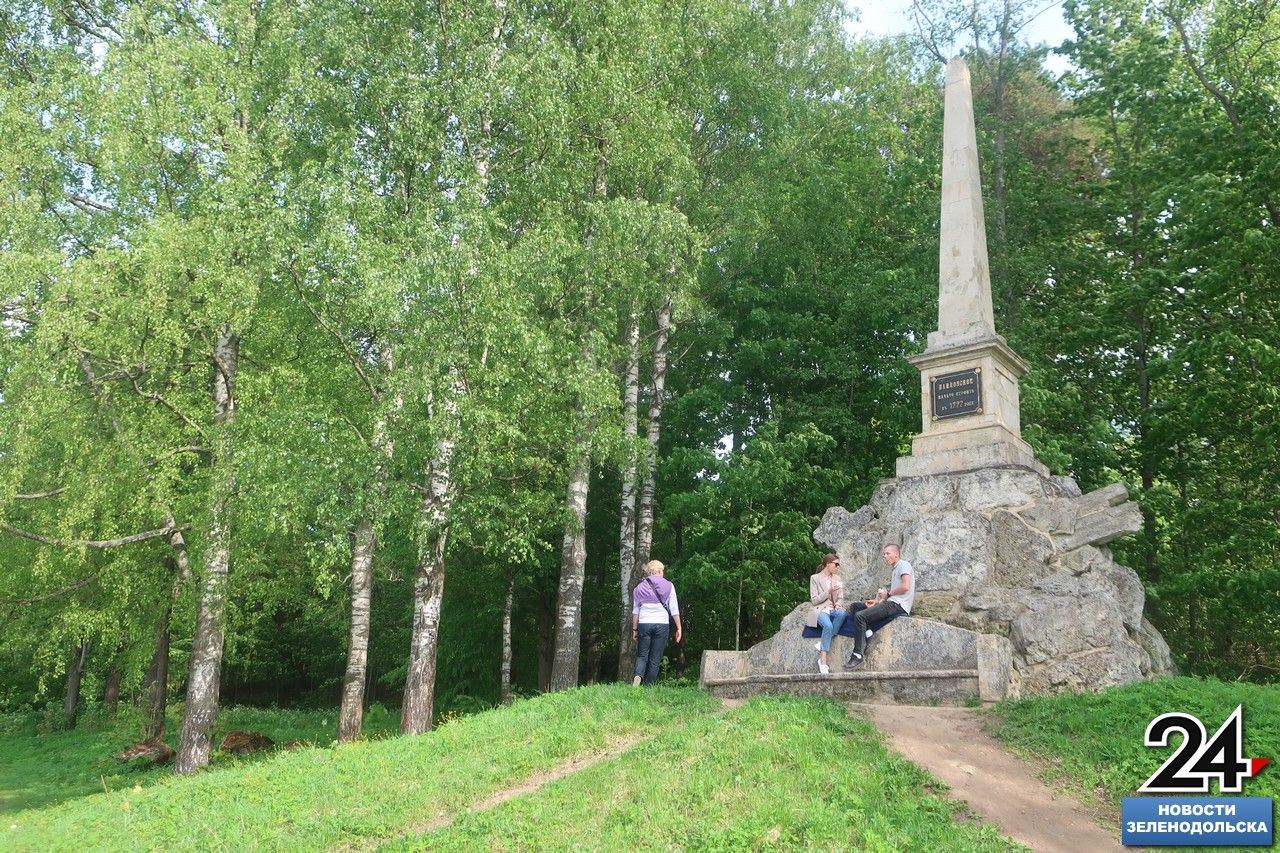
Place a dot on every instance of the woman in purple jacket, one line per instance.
(653, 608)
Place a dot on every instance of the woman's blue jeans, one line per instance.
(830, 623)
(651, 640)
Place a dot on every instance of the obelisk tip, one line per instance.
(964, 282)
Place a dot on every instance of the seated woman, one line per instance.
(825, 594)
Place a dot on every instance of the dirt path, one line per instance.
(533, 783)
(951, 744)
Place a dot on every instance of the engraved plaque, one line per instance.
(956, 394)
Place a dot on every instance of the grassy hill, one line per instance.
(680, 769)
(603, 767)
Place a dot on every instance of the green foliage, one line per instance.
(747, 533)
(1179, 341)
(1093, 742)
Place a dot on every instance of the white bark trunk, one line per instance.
(506, 639)
(433, 531)
(648, 487)
(201, 709)
(627, 512)
(573, 561)
(420, 681)
(573, 553)
(351, 714)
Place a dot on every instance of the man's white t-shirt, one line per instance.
(900, 568)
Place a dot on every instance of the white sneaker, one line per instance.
(635, 682)
(818, 646)
(869, 633)
(823, 668)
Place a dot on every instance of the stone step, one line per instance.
(911, 660)
(921, 687)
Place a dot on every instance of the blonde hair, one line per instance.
(653, 567)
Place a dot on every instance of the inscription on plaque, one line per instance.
(956, 394)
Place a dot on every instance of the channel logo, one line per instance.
(1198, 762)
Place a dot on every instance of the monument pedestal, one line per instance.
(969, 398)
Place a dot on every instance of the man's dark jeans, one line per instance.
(871, 617)
(652, 639)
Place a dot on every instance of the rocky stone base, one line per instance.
(1008, 552)
(1016, 594)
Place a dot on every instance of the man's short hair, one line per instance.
(895, 546)
(653, 567)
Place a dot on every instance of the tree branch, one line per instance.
(38, 495)
(88, 205)
(161, 401)
(342, 343)
(57, 593)
(186, 448)
(1228, 106)
(91, 543)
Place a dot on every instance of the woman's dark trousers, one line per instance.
(651, 641)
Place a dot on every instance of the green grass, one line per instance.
(1092, 742)
(44, 769)
(774, 773)
(321, 797)
(781, 773)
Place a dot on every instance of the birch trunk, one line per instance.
(355, 681)
(573, 561)
(627, 513)
(428, 591)
(351, 714)
(573, 552)
(648, 487)
(203, 679)
(420, 681)
(506, 640)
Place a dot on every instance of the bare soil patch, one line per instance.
(952, 744)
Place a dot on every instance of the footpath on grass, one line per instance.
(951, 744)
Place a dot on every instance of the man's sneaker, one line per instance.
(635, 682)
(869, 633)
(823, 668)
(855, 661)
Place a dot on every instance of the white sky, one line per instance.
(892, 17)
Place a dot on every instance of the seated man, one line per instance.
(888, 604)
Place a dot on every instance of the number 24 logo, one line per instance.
(1195, 762)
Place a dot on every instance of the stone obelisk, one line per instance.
(968, 374)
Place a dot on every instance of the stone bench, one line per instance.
(911, 660)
